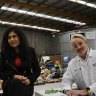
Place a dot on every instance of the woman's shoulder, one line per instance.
(2, 53)
(31, 49)
(32, 52)
(73, 61)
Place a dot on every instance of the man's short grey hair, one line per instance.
(78, 36)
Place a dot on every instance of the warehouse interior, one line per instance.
(48, 25)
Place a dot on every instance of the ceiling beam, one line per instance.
(27, 22)
(48, 10)
(60, 27)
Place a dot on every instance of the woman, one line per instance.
(81, 69)
(19, 66)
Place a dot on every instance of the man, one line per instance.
(81, 69)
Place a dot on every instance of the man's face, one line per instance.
(80, 46)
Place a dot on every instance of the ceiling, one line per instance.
(58, 8)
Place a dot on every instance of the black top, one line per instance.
(29, 67)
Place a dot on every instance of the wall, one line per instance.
(65, 41)
(43, 42)
(1, 34)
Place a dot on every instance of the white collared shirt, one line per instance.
(82, 72)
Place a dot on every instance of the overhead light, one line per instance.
(29, 26)
(42, 15)
(78, 1)
(84, 3)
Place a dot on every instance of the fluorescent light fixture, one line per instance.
(84, 3)
(79, 1)
(29, 26)
(41, 15)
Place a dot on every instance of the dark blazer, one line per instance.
(29, 68)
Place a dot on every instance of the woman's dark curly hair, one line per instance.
(23, 47)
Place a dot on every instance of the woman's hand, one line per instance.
(80, 92)
(20, 77)
(76, 92)
(71, 93)
(24, 80)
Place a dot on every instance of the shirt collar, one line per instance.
(89, 54)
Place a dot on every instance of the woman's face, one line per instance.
(80, 46)
(13, 39)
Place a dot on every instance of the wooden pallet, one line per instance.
(53, 80)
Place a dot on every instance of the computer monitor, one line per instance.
(45, 58)
(67, 59)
